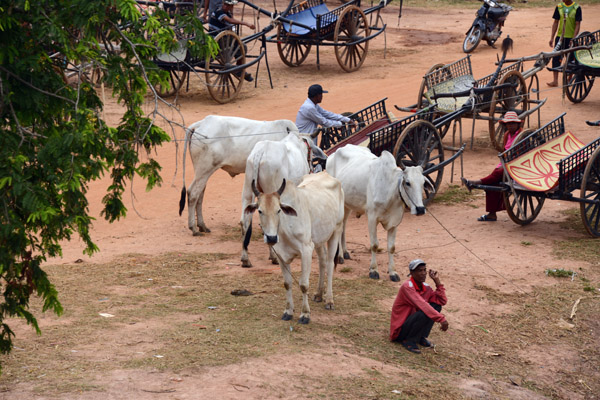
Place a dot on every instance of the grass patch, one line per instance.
(582, 247)
(454, 194)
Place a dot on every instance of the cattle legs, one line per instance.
(195, 198)
(372, 222)
(391, 246)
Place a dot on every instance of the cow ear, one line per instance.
(288, 210)
(250, 208)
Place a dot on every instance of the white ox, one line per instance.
(295, 220)
(376, 186)
(268, 165)
(222, 142)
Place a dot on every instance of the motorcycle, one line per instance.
(488, 23)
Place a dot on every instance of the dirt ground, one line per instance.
(467, 253)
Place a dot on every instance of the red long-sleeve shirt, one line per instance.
(410, 299)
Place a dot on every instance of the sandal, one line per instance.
(467, 183)
(412, 347)
(425, 342)
(486, 218)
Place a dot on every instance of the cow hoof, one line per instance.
(318, 298)
(197, 233)
(304, 320)
(204, 229)
(347, 255)
(286, 317)
(340, 260)
(246, 264)
(329, 306)
(394, 278)
(374, 275)
(274, 261)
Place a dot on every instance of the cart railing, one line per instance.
(517, 66)
(385, 138)
(455, 70)
(572, 168)
(363, 118)
(584, 40)
(552, 129)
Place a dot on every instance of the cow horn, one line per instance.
(282, 188)
(402, 166)
(254, 189)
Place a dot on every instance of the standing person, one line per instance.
(417, 307)
(567, 21)
(494, 201)
(311, 115)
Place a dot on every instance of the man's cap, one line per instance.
(230, 2)
(510, 116)
(414, 264)
(314, 90)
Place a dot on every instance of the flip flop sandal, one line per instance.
(412, 347)
(467, 183)
(425, 342)
(485, 218)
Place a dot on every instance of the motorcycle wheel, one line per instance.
(472, 40)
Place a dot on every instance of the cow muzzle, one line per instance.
(271, 239)
(420, 210)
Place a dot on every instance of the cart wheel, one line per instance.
(472, 40)
(291, 51)
(577, 85)
(420, 144)
(224, 87)
(590, 190)
(509, 99)
(176, 79)
(531, 205)
(351, 26)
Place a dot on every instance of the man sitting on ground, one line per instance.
(417, 307)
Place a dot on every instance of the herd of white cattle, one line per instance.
(300, 210)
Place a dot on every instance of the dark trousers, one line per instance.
(417, 325)
(557, 61)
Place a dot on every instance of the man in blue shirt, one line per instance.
(311, 115)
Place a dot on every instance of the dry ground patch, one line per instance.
(175, 319)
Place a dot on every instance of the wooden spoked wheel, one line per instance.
(590, 190)
(421, 145)
(292, 52)
(351, 26)
(530, 205)
(224, 87)
(509, 99)
(176, 80)
(577, 85)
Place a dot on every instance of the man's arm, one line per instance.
(424, 306)
(332, 115)
(235, 21)
(439, 295)
(554, 29)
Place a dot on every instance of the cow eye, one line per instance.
(408, 184)
(259, 211)
(278, 211)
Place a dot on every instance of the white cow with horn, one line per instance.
(376, 186)
(219, 142)
(295, 220)
(268, 165)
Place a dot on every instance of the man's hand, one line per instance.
(444, 326)
(551, 43)
(249, 25)
(433, 274)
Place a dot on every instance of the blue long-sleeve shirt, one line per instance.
(311, 115)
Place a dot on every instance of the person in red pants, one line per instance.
(493, 200)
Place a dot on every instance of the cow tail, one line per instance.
(188, 136)
(247, 237)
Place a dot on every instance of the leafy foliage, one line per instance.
(53, 141)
